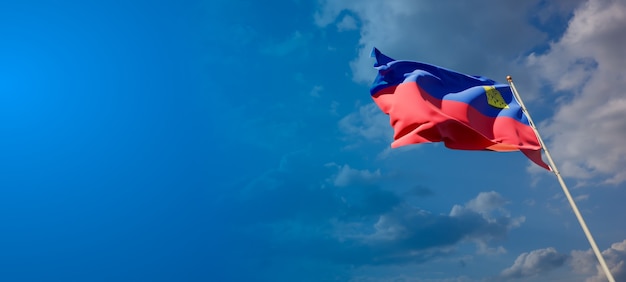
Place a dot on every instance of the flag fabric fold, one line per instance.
(427, 103)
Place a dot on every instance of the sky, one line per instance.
(237, 141)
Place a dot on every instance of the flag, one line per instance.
(427, 103)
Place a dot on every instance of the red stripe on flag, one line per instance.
(418, 117)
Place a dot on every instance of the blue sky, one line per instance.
(237, 141)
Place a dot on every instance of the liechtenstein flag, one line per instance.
(427, 103)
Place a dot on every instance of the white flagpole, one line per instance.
(565, 190)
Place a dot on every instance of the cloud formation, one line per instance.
(368, 123)
(410, 29)
(410, 234)
(345, 218)
(538, 263)
(585, 262)
(587, 130)
(348, 175)
(586, 61)
(347, 23)
(534, 263)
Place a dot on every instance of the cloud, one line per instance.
(486, 202)
(368, 123)
(535, 263)
(409, 278)
(587, 61)
(418, 29)
(347, 176)
(490, 207)
(354, 222)
(409, 234)
(347, 23)
(539, 262)
(317, 89)
(585, 262)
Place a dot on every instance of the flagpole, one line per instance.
(565, 189)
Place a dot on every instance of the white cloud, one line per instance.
(347, 23)
(585, 262)
(485, 249)
(369, 123)
(539, 262)
(485, 202)
(348, 175)
(317, 89)
(434, 30)
(409, 278)
(581, 198)
(372, 125)
(535, 263)
(393, 152)
(414, 228)
(587, 132)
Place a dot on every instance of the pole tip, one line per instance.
(509, 78)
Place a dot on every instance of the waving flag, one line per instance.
(427, 103)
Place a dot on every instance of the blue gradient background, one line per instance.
(228, 141)
(105, 137)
